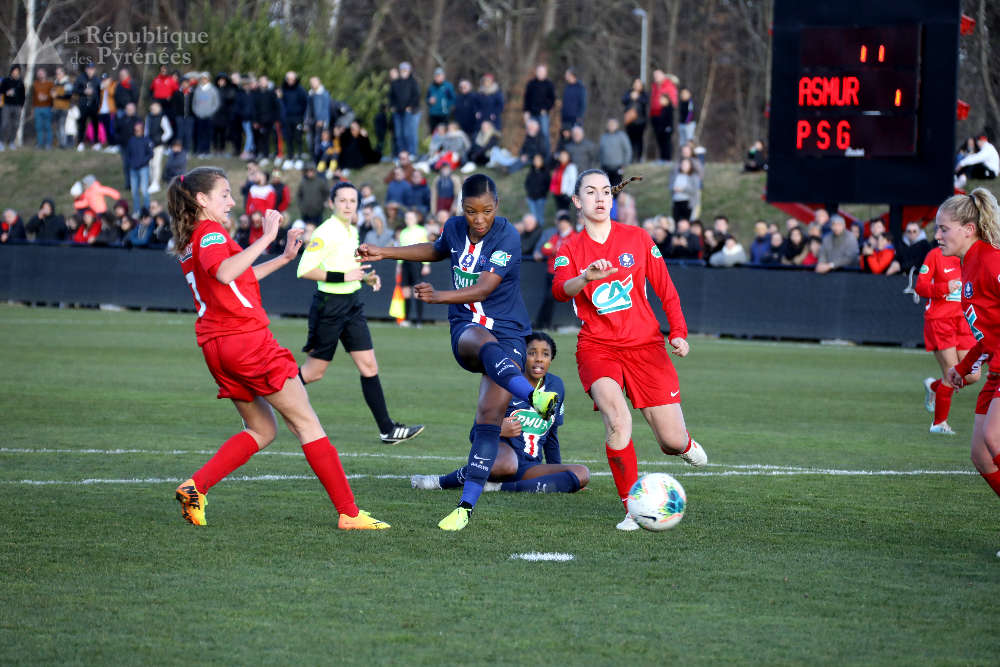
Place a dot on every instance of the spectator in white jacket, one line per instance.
(983, 164)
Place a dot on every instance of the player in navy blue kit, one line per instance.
(488, 321)
(524, 436)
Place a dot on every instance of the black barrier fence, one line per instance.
(737, 302)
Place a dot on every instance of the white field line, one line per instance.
(283, 478)
(731, 469)
(535, 556)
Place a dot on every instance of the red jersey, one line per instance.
(615, 310)
(223, 308)
(932, 284)
(981, 303)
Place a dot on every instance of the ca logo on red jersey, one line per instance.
(612, 297)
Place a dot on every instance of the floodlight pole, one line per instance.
(641, 13)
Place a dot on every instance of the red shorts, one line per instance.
(987, 393)
(941, 333)
(644, 373)
(247, 365)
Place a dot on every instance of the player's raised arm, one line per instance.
(293, 242)
(420, 252)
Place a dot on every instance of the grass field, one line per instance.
(829, 527)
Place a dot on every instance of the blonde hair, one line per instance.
(184, 209)
(978, 208)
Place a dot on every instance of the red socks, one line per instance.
(993, 478)
(325, 462)
(624, 468)
(234, 452)
(942, 400)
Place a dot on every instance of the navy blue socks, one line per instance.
(499, 367)
(485, 441)
(559, 482)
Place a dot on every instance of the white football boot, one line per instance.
(426, 482)
(929, 395)
(696, 455)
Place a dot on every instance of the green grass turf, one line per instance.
(765, 568)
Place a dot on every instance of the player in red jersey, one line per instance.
(968, 227)
(946, 333)
(246, 361)
(620, 350)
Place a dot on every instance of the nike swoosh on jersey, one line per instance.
(949, 270)
(674, 393)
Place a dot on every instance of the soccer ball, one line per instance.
(656, 501)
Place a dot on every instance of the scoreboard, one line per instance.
(863, 101)
(857, 91)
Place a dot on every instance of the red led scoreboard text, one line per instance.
(858, 91)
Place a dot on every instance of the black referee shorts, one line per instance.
(411, 273)
(336, 317)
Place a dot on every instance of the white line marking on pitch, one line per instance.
(754, 469)
(536, 556)
(282, 478)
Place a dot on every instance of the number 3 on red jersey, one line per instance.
(189, 276)
(202, 306)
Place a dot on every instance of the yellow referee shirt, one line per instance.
(332, 248)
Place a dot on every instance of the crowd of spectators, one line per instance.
(275, 127)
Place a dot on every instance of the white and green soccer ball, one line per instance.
(656, 501)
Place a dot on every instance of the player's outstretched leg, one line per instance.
(485, 443)
(233, 453)
(940, 406)
(293, 404)
(667, 422)
(479, 344)
(929, 395)
(618, 447)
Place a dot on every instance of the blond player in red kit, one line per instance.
(620, 350)
(946, 333)
(968, 227)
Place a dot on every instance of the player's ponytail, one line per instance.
(621, 186)
(978, 208)
(184, 210)
(614, 191)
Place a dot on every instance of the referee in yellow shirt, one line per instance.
(337, 313)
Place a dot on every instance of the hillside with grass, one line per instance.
(29, 176)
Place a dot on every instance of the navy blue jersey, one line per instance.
(538, 435)
(499, 252)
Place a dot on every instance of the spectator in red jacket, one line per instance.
(88, 227)
(282, 193)
(877, 252)
(261, 195)
(163, 87)
(549, 250)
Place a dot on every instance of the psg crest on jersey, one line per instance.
(967, 293)
(626, 260)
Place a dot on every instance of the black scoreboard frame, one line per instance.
(922, 178)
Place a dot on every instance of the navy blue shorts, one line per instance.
(514, 346)
(524, 462)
